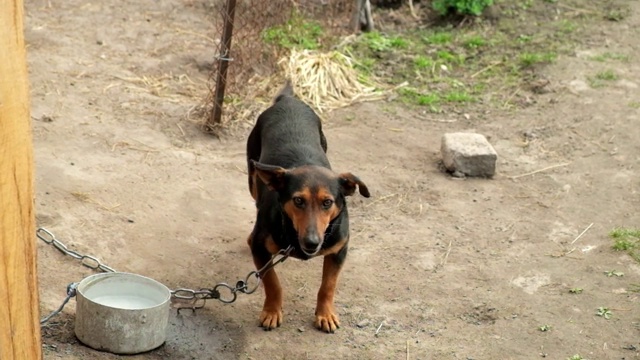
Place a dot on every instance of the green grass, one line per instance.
(461, 7)
(610, 56)
(627, 240)
(422, 62)
(523, 39)
(576, 357)
(458, 96)
(602, 78)
(438, 38)
(448, 66)
(530, 59)
(607, 75)
(379, 42)
(448, 57)
(416, 97)
(474, 42)
(297, 33)
(567, 26)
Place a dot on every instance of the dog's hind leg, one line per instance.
(326, 317)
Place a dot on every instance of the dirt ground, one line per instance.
(439, 268)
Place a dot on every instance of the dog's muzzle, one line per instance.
(310, 245)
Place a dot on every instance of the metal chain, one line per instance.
(231, 292)
(241, 286)
(87, 260)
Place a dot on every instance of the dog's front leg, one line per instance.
(271, 315)
(326, 317)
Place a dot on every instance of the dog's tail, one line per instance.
(287, 90)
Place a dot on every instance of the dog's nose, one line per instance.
(311, 244)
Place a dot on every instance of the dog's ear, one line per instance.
(348, 183)
(273, 176)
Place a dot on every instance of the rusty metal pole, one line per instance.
(223, 66)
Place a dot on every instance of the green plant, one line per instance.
(413, 96)
(626, 240)
(530, 59)
(616, 14)
(601, 78)
(615, 273)
(567, 26)
(365, 65)
(576, 290)
(297, 33)
(423, 62)
(474, 42)
(450, 57)
(604, 312)
(456, 96)
(624, 233)
(438, 38)
(428, 99)
(524, 38)
(607, 75)
(376, 41)
(610, 56)
(545, 328)
(576, 357)
(461, 7)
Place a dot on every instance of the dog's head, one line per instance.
(311, 196)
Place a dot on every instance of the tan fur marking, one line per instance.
(334, 249)
(324, 217)
(254, 185)
(271, 245)
(326, 317)
(300, 217)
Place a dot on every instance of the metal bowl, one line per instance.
(122, 313)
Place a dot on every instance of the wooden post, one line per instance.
(223, 65)
(19, 316)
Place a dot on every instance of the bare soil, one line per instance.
(439, 268)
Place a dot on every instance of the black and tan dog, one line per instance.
(300, 200)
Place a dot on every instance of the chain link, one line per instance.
(86, 260)
(242, 286)
(222, 292)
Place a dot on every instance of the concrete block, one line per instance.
(468, 154)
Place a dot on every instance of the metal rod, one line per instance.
(223, 66)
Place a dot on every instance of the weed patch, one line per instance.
(297, 33)
(610, 56)
(627, 240)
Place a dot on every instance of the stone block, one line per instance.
(468, 154)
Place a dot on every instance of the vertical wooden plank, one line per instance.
(19, 316)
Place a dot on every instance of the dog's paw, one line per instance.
(270, 319)
(327, 321)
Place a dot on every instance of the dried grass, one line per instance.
(328, 80)
(85, 197)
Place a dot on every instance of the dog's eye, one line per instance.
(298, 201)
(327, 203)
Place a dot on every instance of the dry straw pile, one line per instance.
(328, 80)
